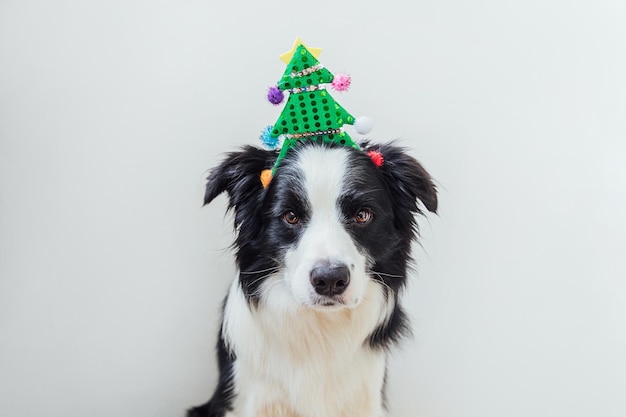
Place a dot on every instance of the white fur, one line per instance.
(325, 237)
(307, 362)
(298, 359)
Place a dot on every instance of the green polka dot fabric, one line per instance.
(310, 112)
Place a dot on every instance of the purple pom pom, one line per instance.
(274, 95)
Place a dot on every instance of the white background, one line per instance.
(111, 272)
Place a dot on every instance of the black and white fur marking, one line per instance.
(322, 255)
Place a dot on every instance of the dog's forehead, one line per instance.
(316, 174)
(314, 164)
(323, 170)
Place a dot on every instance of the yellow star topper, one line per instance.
(286, 57)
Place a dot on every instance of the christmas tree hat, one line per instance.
(310, 112)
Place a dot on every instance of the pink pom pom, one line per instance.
(341, 82)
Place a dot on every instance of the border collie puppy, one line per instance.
(322, 253)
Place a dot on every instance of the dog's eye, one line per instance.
(291, 217)
(363, 216)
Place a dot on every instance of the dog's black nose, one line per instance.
(330, 280)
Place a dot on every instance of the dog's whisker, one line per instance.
(380, 274)
(267, 288)
(385, 284)
(274, 268)
(261, 278)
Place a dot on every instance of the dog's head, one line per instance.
(330, 222)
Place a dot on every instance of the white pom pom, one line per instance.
(362, 125)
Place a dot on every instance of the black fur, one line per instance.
(222, 399)
(392, 192)
(395, 187)
(239, 176)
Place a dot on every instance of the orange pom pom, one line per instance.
(266, 177)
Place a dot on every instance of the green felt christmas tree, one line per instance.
(310, 112)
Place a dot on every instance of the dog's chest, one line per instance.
(284, 388)
(305, 364)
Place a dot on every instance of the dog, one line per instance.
(322, 255)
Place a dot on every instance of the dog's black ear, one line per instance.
(239, 175)
(407, 179)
